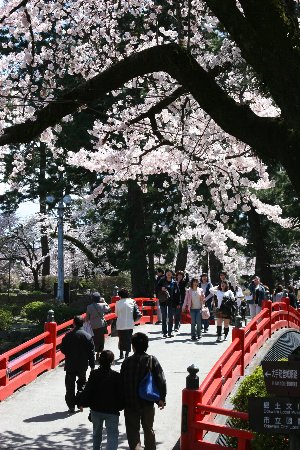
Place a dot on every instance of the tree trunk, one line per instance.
(35, 274)
(137, 242)
(263, 259)
(215, 267)
(182, 254)
(151, 271)
(42, 200)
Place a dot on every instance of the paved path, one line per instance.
(36, 418)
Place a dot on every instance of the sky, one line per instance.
(25, 209)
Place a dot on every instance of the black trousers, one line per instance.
(133, 419)
(70, 381)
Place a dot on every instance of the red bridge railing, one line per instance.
(21, 365)
(200, 406)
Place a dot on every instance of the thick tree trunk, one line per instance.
(182, 254)
(263, 259)
(137, 242)
(215, 267)
(35, 274)
(151, 271)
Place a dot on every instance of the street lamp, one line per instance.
(60, 243)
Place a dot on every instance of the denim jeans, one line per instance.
(112, 430)
(167, 312)
(195, 321)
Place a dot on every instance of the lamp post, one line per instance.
(60, 243)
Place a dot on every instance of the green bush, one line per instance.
(6, 319)
(254, 386)
(38, 311)
(13, 308)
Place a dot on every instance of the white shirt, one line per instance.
(124, 313)
(196, 303)
(220, 294)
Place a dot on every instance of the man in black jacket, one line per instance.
(78, 348)
(137, 410)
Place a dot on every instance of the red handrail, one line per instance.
(200, 406)
(22, 364)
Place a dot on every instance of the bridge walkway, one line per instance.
(36, 417)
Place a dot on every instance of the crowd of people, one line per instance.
(108, 392)
(206, 302)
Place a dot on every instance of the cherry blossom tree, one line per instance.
(205, 91)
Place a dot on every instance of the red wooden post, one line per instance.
(268, 305)
(4, 372)
(286, 301)
(240, 334)
(188, 437)
(51, 339)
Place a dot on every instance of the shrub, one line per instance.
(254, 386)
(6, 319)
(13, 308)
(38, 311)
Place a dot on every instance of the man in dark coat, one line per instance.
(137, 410)
(78, 348)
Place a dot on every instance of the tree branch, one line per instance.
(264, 32)
(269, 137)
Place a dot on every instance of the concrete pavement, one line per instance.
(36, 418)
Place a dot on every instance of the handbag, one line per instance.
(163, 296)
(148, 389)
(136, 312)
(87, 327)
(105, 329)
(205, 313)
(104, 326)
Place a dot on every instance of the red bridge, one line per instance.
(192, 416)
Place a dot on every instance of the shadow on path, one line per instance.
(78, 439)
(48, 417)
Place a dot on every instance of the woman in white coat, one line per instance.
(125, 321)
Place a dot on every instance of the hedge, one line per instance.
(37, 312)
(254, 386)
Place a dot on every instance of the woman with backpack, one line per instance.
(225, 308)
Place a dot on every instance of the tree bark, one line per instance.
(269, 137)
(137, 242)
(181, 258)
(263, 259)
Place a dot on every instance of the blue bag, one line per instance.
(147, 387)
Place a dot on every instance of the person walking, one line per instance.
(78, 347)
(182, 280)
(159, 274)
(193, 302)
(125, 321)
(225, 308)
(169, 300)
(205, 285)
(103, 394)
(257, 292)
(136, 410)
(95, 315)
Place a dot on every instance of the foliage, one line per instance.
(6, 319)
(105, 284)
(37, 312)
(254, 386)
(13, 308)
